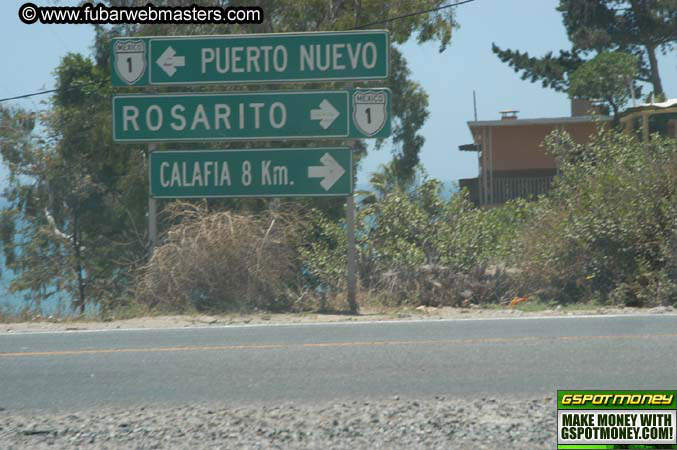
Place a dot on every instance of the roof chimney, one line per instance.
(509, 114)
(581, 107)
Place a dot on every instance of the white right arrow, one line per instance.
(168, 61)
(330, 171)
(326, 114)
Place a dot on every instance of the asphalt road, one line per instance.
(314, 362)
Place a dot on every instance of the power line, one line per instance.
(28, 95)
(404, 16)
(49, 91)
(378, 22)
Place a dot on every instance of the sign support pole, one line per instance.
(351, 256)
(152, 209)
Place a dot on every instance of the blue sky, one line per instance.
(31, 52)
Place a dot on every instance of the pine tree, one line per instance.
(638, 27)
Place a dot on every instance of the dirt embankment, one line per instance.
(421, 313)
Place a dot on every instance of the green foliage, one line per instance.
(608, 76)
(637, 27)
(416, 248)
(607, 233)
(609, 230)
(75, 202)
(552, 71)
(400, 231)
(324, 253)
(471, 237)
(387, 180)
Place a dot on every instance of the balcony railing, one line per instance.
(507, 188)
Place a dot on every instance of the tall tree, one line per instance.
(606, 77)
(74, 202)
(638, 27)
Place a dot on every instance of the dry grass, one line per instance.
(222, 261)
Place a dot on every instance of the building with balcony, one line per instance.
(650, 118)
(511, 158)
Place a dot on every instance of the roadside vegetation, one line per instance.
(608, 231)
(606, 235)
(73, 222)
(224, 261)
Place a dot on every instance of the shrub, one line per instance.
(323, 255)
(219, 261)
(606, 232)
(415, 248)
(609, 230)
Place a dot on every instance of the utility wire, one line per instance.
(378, 22)
(404, 16)
(49, 91)
(28, 95)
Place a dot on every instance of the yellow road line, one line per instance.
(328, 344)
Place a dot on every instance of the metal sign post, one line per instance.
(152, 209)
(351, 250)
(351, 255)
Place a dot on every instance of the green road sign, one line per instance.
(251, 173)
(358, 113)
(254, 58)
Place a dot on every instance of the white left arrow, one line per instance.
(168, 61)
(330, 171)
(326, 114)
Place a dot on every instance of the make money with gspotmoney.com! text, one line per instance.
(101, 14)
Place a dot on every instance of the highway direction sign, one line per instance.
(357, 113)
(251, 173)
(253, 58)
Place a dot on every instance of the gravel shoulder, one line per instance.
(394, 423)
(46, 324)
(374, 423)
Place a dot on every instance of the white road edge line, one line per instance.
(342, 323)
